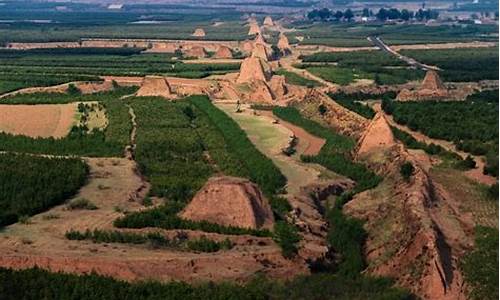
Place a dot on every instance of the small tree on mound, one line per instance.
(407, 170)
(73, 90)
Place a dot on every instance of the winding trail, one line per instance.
(475, 174)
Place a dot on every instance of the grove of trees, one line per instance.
(31, 184)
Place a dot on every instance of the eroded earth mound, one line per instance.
(415, 232)
(199, 32)
(155, 86)
(223, 52)
(432, 88)
(230, 201)
(377, 137)
(253, 68)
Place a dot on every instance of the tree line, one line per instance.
(325, 14)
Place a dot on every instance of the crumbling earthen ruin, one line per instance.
(196, 51)
(432, 88)
(199, 32)
(230, 201)
(155, 86)
(254, 68)
(284, 45)
(223, 52)
(377, 136)
(268, 21)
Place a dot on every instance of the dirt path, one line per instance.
(475, 174)
(377, 41)
(287, 63)
(308, 144)
(270, 138)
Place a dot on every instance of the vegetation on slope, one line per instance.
(480, 266)
(356, 106)
(30, 184)
(471, 125)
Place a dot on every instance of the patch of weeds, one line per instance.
(81, 203)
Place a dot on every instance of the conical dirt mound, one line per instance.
(278, 86)
(259, 39)
(253, 68)
(223, 52)
(377, 136)
(268, 21)
(196, 51)
(260, 51)
(199, 32)
(155, 86)
(230, 201)
(247, 47)
(283, 44)
(432, 82)
(254, 29)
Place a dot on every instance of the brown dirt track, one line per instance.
(44, 120)
(310, 144)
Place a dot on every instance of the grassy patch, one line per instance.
(480, 266)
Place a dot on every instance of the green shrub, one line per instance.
(286, 235)
(81, 203)
(406, 170)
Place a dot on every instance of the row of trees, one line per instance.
(35, 284)
(383, 14)
(30, 184)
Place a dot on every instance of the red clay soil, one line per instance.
(416, 234)
(230, 201)
(312, 144)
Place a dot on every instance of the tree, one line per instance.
(407, 170)
(382, 14)
(338, 15)
(348, 14)
(405, 15)
(366, 12)
(73, 90)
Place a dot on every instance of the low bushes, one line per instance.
(154, 239)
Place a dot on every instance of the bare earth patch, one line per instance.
(44, 120)
(115, 187)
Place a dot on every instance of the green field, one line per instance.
(348, 35)
(460, 64)
(346, 67)
(44, 67)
